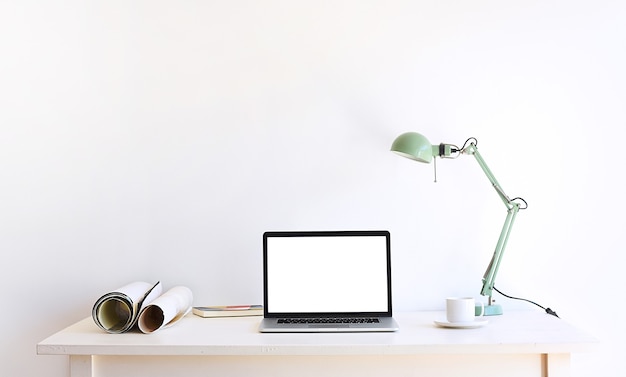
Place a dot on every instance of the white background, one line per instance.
(157, 140)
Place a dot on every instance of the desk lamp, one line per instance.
(417, 147)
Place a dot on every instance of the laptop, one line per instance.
(327, 281)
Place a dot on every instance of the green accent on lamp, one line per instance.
(417, 147)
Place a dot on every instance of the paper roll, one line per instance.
(166, 309)
(116, 312)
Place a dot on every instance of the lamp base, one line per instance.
(493, 309)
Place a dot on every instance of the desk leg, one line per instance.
(555, 364)
(81, 366)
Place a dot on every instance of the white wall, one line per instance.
(145, 140)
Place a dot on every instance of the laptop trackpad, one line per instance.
(329, 326)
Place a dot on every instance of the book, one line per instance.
(141, 305)
(228, 311)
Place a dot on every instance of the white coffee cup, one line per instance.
(461, 309)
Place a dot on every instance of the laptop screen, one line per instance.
(308, 273)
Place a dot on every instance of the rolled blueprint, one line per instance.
(165, 310)
(117, 311)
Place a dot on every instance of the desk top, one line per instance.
(514, 332)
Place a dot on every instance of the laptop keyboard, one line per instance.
(327, 320)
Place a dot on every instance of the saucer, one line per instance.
(463, 325)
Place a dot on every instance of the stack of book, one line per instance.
(228, 311)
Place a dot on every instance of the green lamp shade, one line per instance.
(414, 146)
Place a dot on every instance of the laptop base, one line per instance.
(271, 325)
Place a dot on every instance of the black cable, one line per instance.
(455, 149)
(548, 310)
(469, 140)
(521, 200)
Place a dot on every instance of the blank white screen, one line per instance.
(327, 274)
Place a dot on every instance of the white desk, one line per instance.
(515, 344)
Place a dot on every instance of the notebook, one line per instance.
(327, 281)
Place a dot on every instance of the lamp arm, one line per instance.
(489, 277)
(473, 150)
(512, 209)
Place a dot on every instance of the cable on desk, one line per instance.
(548, 310)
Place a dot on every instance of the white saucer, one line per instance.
(463, 325)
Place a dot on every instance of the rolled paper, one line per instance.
(166, 309)
(116, 312)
